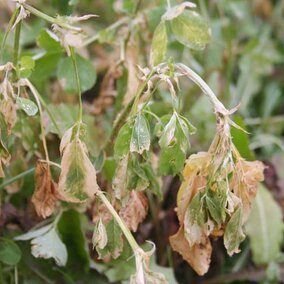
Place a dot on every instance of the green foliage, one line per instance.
(10, 253)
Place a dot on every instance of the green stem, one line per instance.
(11, 22)
(132, 242)
(77, 78)
(15, 178)
(47, 18)
(16, 47)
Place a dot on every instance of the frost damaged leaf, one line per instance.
(77, 181)
(46, 244)
(159, 44)
(114, 244)
(168, 133)
(245, 182)
(140, 139)
(234, 234)
(191, 29)
(99, 238)
(135, 210)
(198, 256)
(45, 195)
(50, 245)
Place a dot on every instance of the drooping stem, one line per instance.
(185, 70)
(34, 92)
(77, 78)
(132, 242)
(49, 19)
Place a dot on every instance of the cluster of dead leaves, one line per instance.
(214, 200)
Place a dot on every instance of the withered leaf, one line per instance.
(198, 256)
(135, 210)
(45, 195)
(8, 109)
(4, 153)
(77, 181)
(99, 238)
(245, 181)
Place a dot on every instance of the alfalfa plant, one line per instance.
(218, 185)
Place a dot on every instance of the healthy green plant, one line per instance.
(122, 176)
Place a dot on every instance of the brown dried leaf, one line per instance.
(135, 210)
(244, 183)
(198, 256)
(8, 109)
(45, 195)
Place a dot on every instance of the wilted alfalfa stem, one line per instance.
(132, 242)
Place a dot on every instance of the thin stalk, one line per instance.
(132, 242)
(49, 19)
(41, 123)
(16, 47)
(77, 78)
(16, 277)
(10, 25)
(17, 177)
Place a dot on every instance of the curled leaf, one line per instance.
(135, 210)
(4, 153)
(8, 109)
(45, 195)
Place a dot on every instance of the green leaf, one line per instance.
(28, 106)
(191, 29)
(196, 209)
(66, 74)
(122, 143)
(159, 44)
(171, 160)
(70, 228)
(10, 253)
(234, 234)
(265, 227)
(114, 241)
(26, 66)
(154, 185)
(140, 139)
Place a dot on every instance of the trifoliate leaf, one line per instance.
(234, 234)
(10, 253)
(191, 29)
(265, 227)
(140, 139)
(159, 44)
(28, 106)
